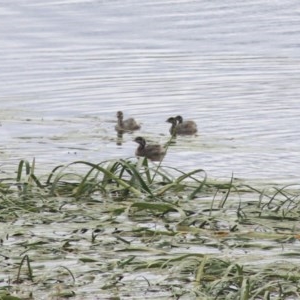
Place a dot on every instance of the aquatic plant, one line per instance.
(123, 228)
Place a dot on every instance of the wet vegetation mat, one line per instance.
(127, 229)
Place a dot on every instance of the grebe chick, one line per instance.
(185, 127)
(153, 152)
(181, 128)
(126, 125)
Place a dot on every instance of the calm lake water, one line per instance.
(234, 68)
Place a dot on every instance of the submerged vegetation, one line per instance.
(123, 229)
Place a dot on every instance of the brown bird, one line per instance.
(153, 152)
(126, 125)
(182, 127)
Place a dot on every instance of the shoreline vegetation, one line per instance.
(132, 229)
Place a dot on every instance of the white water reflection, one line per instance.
(68, 66)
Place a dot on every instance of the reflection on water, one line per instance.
(119, 137)
(68, 67)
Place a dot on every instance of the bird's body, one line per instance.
(126, 125)
(181, 127)
(185, 127)
(153, 152)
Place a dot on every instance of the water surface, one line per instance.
(68, 66)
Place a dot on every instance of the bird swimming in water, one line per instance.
(181, 127)
(153, 152)
(126, 125)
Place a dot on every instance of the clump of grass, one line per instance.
(121, 177)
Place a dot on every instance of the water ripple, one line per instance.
(68, 66)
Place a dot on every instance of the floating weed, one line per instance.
(6, 296)
(134, 229)
(29, 176)
(161, 208)
(178, 185)
(30, 275)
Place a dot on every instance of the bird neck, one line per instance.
(142, 145)
(120, 121)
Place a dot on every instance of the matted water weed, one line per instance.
(133, 229)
